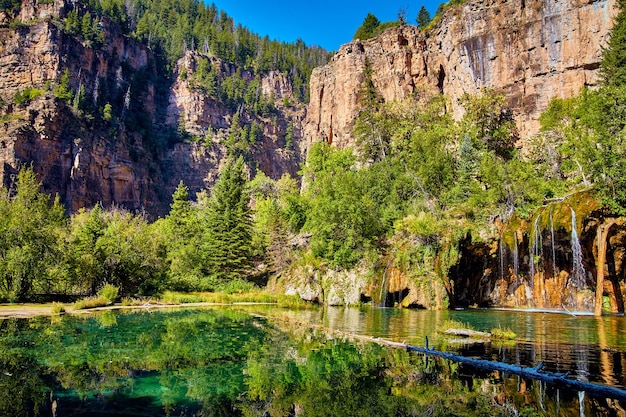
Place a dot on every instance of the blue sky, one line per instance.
(325, 23)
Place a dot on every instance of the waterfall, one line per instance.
(535, 249)
(578, 270)
(501, 254)
(554, 269)
(515, 259)
(581, 403)
(382, 300)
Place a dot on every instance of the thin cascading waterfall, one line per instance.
(515, 259)
(578, 270)
(501, 255)
(384, 285)
(554, 269)
(382, 300)
(535, 250)
(581, 403)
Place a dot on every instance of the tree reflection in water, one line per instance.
(229, 363)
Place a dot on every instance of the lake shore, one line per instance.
(29, 310)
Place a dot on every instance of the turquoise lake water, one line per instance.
(264, 361)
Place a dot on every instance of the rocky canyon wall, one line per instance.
(159, 130)
(74, 153)
(531, 50)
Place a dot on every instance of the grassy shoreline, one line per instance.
(168, 299)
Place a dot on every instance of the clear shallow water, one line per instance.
(228, 362)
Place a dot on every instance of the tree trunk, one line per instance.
(602, 234)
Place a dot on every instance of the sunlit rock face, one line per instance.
(547, 262)
(531, 50)
(82, 161)
(137, 161)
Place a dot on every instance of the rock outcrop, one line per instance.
(531, 50)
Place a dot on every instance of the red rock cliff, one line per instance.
(532, 50)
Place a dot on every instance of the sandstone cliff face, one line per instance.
(210, 120)
(531, 50)
(133, 157)
(77, 157)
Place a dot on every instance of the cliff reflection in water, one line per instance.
(227, 362)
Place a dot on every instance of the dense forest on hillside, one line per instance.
(172, 27)
(416, 184)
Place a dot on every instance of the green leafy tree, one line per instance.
(343, 218)
(63, 90)
(117, 248)
(182, 232)
(86, 256)
(490, 122)
(30, 226)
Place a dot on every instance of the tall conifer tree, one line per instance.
(613, 66)
(228, 227)
(423, 18)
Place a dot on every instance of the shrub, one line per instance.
(58, 308)
(453, 324)
(90, 302)
(109, 292)
(503, 334)
(23, 98)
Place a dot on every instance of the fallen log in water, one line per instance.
(557, 379)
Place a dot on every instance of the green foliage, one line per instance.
(63, 89)
(490, 122)
(115, 248)
(109, 292)
(24, 97)
(423, 18)
(372, 27)
(29, 225)
(10, 6)
(588, 133)
(84, 27)
(344, 217)
(503, 334)
(106, 296)
(107, 112)
(58, 308)
(278, 216)
(227, 229)
(205, 77)
(368, 29)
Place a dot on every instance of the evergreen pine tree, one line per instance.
(613, 65)
(368, 28)
(228, 227)
(180, 209)
(423, 18)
